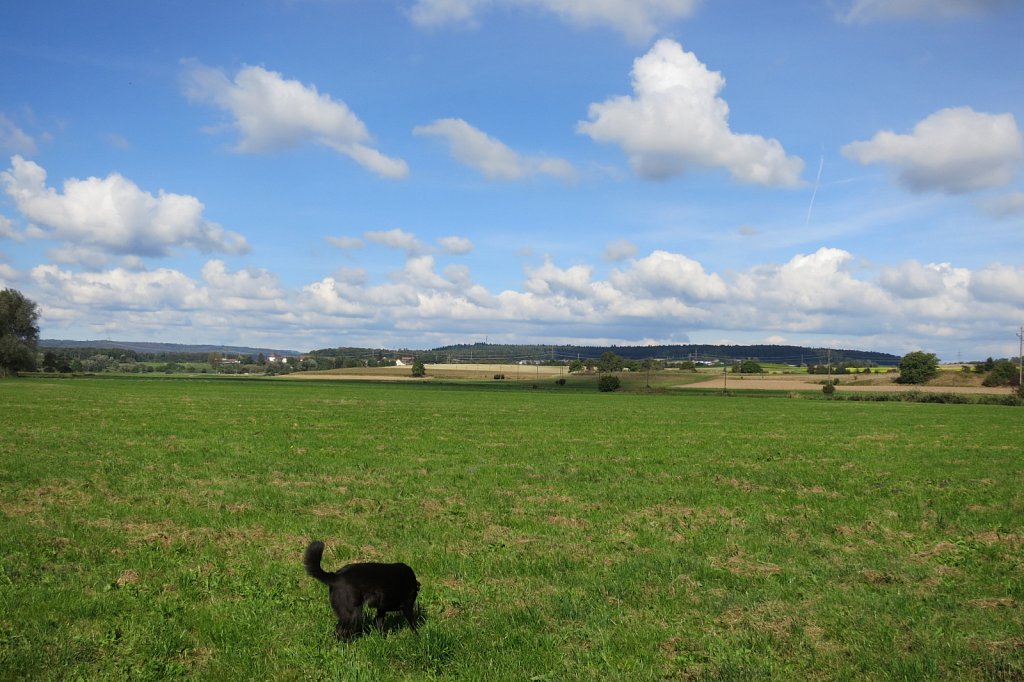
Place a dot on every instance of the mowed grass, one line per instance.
(153, 528)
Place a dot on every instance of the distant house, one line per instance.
(274, 357)
(405, 361)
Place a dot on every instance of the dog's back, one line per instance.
(384, 587)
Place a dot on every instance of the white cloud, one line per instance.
(14, 139)
(619, 250)
(396, 239)
(675, 120)
(346, 243)
(8, 275)
(999, 283)
(953, 151)
(662, 295)
(911, 280)
(574, 281)
(120, 289)
(8, 231)
(456, 246)
(1004, 205)
(113, 214)
(809, 283)
(252, 284)
(273, 113)
(637, 19)
(489, 156)
(663, 275)
(866, 11)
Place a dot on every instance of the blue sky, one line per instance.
(311, 173)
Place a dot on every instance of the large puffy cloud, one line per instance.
(637, 19)
(664, 275)
(821, 282)
(675, 120)
(245, 306)
(489, 156)
(954, 150)
(113, 214)
(865, 11)
(272, 113)
(120, 289)
(244, 289)
(999, 283)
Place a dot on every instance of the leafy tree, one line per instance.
(1003, 373)
(748, 367)
(575, 366)
(608, 383)
(50, 361)
(418, 369)
(610, 362)
(18, 332)
(918, 367)
(688, 366)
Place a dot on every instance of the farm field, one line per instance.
(152, 528)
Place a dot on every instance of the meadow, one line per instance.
(152, 528)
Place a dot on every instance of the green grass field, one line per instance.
(153, 528)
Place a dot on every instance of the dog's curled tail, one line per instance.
(311, 560)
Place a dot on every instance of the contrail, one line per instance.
(817, 183)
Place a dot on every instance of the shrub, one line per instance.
(748, 367)
(1003, 373)
(608, 383)
(560, 382)
(918, 367)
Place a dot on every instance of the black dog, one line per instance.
(385, 587)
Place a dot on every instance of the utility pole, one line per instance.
(1020, 359)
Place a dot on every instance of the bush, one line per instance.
(918, 367)
(1003, 373)
(608, 383)
(418, 369)
(748, 367)
(560, 382)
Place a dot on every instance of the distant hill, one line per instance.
(147, 347)
(789, 355)
(505, 353)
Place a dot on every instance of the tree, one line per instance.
(418, 369)
(748, 367)
(918, 367)
(610, 362)
(18, 332)
(1003, 373)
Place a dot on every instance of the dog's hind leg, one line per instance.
(410, 615)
